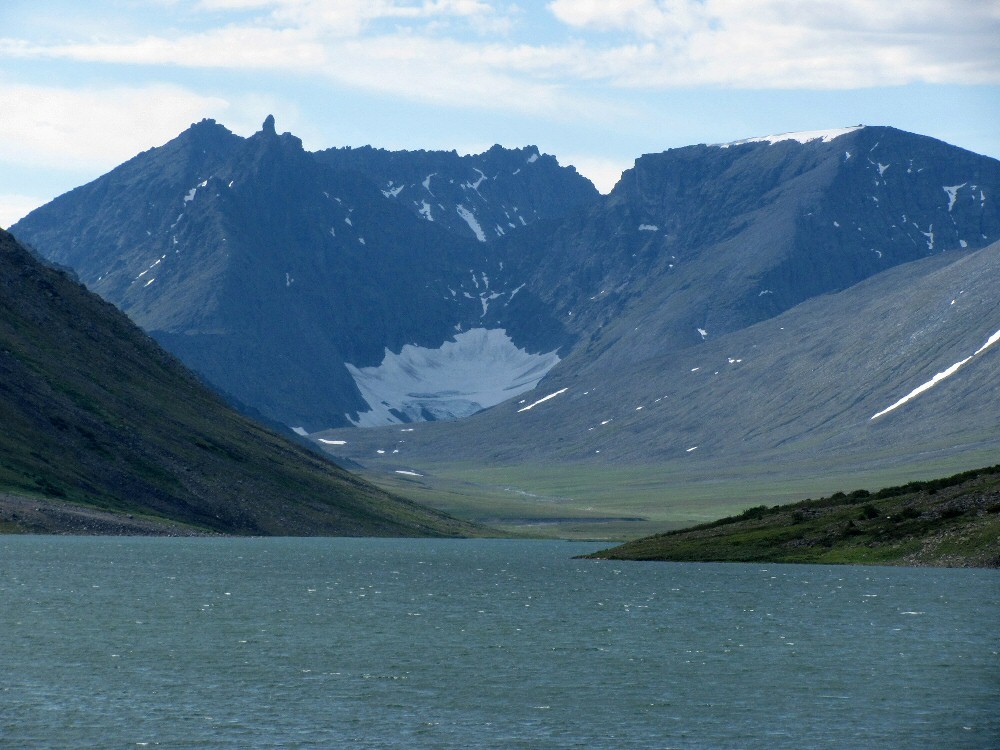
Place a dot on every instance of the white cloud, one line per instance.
(14, 206)
(603, 172)
(423, 50)
(419, 67)
(450, 72)
(228, 47)
(351, 17)
(651, 44)
(645, 18)
(93, 128)
(788, 43)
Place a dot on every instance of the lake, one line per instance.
(373, 643)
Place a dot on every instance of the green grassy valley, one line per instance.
(622, 502)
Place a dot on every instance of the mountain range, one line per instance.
(813, 304)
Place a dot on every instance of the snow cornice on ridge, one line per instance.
(803, 136)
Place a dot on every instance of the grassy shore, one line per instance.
(952, 522)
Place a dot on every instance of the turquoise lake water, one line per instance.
(362, 643)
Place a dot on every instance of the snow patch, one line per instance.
(332, 442)
(153, 265)
(470, 219)
(947, 373)
(703, 333)
(952, 191)
(300, 431)
(989, 342)
(533, 158)
(475, 370)
(929, 234)
(427, 182)
(407, 473)
(190, 195)
(542, 400)
(485, 299)
(425, 210)
(648, 228)
(392, 191)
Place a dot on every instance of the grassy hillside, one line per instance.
(953, 522)
(96, 414)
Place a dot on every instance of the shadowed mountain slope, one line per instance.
(273, 271)
(477, 196)
(95, 413)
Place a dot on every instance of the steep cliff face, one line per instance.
(273, 272)
(481, 197)
(706, 240)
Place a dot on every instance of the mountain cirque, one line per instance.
(818, 303)
(270, 270)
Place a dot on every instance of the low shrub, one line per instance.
(869, 512)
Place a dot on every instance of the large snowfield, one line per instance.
(479, 368)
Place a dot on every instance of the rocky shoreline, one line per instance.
(27, 515)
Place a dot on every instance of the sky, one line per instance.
(597, 83)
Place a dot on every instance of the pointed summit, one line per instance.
(268, 127)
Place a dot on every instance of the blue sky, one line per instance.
(86, 86)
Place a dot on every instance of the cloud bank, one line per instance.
(458, 51)
(153, 66)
